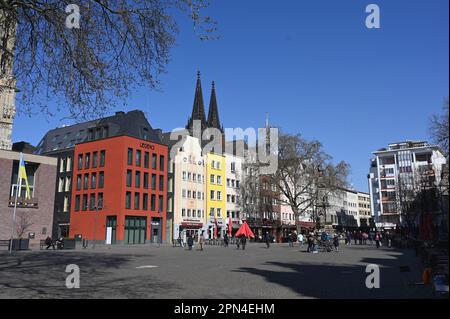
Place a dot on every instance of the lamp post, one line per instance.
(99, 205)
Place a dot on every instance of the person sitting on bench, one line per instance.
(49, 242)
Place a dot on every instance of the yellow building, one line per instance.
(215, 194)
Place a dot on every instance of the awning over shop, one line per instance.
(192, 225)
(306, 224)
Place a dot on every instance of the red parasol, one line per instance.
(245, 231)
(215, 228)
(230, 226)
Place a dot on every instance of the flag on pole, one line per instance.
(23, 176)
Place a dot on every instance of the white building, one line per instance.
(189, 189)
(399, 164)
(364, 211)
(234, 175)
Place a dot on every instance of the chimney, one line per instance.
(120, 113)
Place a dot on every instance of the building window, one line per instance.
(61, 185)
(94, 159)
(137, 181)
(129, 178)
(211, 179)
(183, 212)
(138, 158)
(85, 202)
(153, 203)
(213, 164)
(211, 212)
(79, 180)
(145, 201)
(212, 195)
(153, 181)
(189, 176)
(154, 161)
(160, 204)
(101, 179)
(219, 195)
(68, 184)
(183, 193)
(184, 176)
(94, 180)
(87, 161)
(161, 163)
(102, 158)
(86, 181)
(100, 201)
(219, 180)
(199, 195)
(130, 156)
(146, 159)
(146, 180)
(189, 193)
(218, 165)
(188, 213)
(80, 161)
(233, 167)
(161, 183)
(128, 200)
(77, 203)
(92, 202)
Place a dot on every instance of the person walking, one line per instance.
(243, 242)
(49, 242)
(190, 241)
(290, 240)
(300, 239)
(336, 242)
(201, 241)
(238, 242)
(355, 237)
(225, 240)
(267, 239)
(378, 239)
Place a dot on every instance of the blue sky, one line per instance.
(314, 67)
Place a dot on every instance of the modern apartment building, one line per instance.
(400, 166)
(60, 143)
(119, 191)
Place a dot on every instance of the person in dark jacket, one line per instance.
(267, 239)
(225, 240)
(49, 242)
(243, 242)
(190, 242)
(336, 242)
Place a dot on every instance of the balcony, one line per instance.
(24, 202)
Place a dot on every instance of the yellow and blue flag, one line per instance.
(23, 176)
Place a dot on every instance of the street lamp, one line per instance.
(99, 205)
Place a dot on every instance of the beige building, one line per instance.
(233, 184)
(364, 209)
(7, 83)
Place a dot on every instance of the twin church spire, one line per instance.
(198, 109)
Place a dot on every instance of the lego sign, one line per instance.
(147, 146)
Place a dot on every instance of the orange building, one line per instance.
(119, 192)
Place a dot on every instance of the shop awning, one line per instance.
(306, 224)
(192, 225)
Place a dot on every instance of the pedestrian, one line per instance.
(49, 242)
(201, 241)
(243, 242)
(336, 242)
(190, 241)
(355, 237)
(290, 240)
(267, 240)
(238, 242)
(378, 240)
(225, 240)
(300, 239)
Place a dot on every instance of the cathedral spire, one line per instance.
(213, 113)
(198, 109)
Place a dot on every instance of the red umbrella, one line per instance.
(230, 226)
(215, 228)
(245, 231)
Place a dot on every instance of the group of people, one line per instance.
(58, 244)
(325, 240)
(201, 240)
(364, 238)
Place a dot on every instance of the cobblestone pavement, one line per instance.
(216, 272)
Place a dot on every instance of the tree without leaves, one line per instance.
(120, 44)
(439, 129)
(306, 174)
(23, 223)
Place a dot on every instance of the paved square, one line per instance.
(216, 272)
